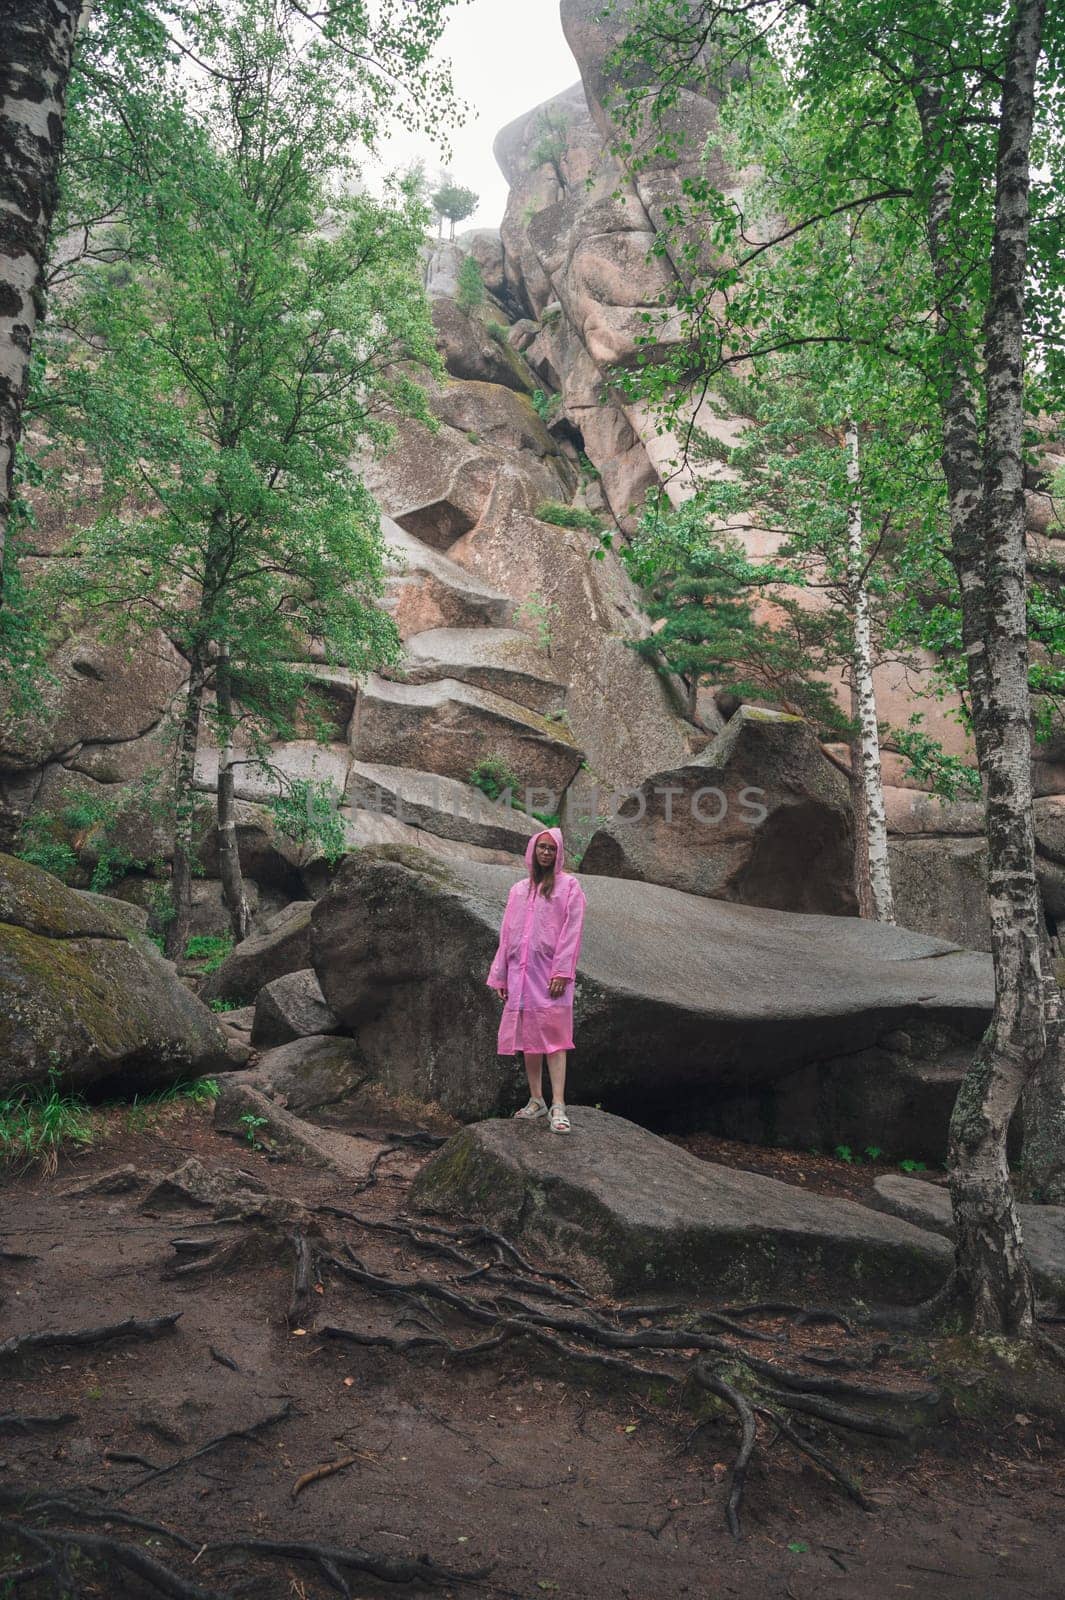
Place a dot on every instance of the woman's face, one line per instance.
(546, 851)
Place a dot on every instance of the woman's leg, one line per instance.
(534, 1071)
(556, 1070)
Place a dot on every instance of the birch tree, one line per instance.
(36, 51)
(929, 121)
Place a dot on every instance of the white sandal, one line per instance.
(535, 1108)
(559, 1119)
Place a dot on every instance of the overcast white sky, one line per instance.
(507, 56)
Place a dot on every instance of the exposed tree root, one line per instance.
(302, 1274)
(593, 1336)
(15, 1422)
(23, 1343)
(249, 1432)
(333, 1561)
(58, 1546)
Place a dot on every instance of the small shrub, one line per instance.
(561, 516)
(543, 614)
(493, 777)
(226, 1005)
(307, 814)
(470, 293)
(208, 950)
(499, 332)
(844, 1152)
(474, 438)
(546, 406)
(251, 1125)
(550, 819)
(912, 1166)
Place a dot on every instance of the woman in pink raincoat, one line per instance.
(534, 970)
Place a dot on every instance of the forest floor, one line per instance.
(561, 1480)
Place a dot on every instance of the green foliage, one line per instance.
(251, 1125)
(703, 593)
(550, 819)
(499, 332)
(470, 293)
(494, 778)
(562, 516)
(946, 776)
(453, 201)
(911, 1166)
(306, 812)
(35, 1124)
(546, 406)
(241, 332)
(543, 614)
(208, 950)
(222, 1006)
(549, 138)
(56, 840)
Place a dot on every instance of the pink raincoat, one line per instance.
(540, 940)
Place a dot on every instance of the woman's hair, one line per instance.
(543, 878)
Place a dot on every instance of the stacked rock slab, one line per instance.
(771, 1026)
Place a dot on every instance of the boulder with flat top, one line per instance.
(772, 1026)
(627, 1210)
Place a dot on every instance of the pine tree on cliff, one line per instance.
(924, 139)
(221, 373)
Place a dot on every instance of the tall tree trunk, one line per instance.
(863, 888)
(177, 932)
(987, 525)
(1043, 1162)
(36, 49)
(228, 852)
(873, 827)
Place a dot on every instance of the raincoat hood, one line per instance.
(554, 833)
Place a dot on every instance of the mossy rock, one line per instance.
(86, 998)
(651, 1218)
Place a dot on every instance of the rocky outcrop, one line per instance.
(620, 1205)
(308, 1073)
(292, 1007)
(781, 1027)
(760, 817)
(87, 999)
(282, 948)
(927, 1205)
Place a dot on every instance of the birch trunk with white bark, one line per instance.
(987, 526)
(872, 830)
(229, 869)
(36, 49)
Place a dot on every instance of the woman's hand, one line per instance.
(557, 987)
(503, 995)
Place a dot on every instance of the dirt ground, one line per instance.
(563, 1482)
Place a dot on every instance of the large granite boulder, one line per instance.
(283, 947)
(620, 1204)
(760, 817)
(292, 1007)
(87, 998)
(771, 1025)
(927, 1205)
(940, 886)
